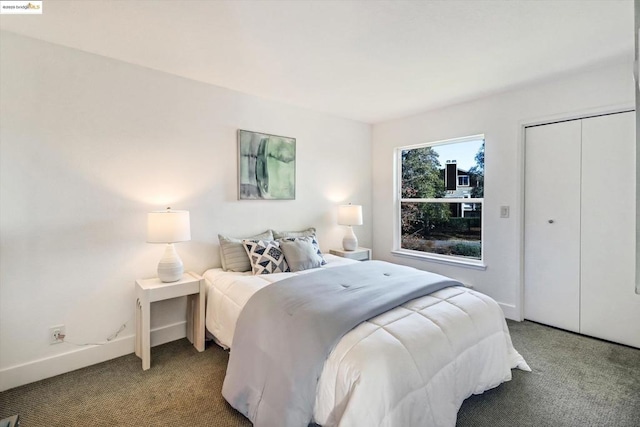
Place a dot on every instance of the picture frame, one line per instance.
(266, 166)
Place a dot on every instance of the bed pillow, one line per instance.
(309, 232)
(300, 253)
(265, 256)
(232, 253)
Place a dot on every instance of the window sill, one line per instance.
(457, 262)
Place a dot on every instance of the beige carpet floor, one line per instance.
(182, 388)
(576, 381)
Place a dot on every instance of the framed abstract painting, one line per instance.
(266, 166)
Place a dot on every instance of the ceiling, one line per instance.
(364, 60)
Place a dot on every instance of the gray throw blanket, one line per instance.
(287, 330)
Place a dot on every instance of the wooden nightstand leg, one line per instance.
(190, 318)
(195, 321)
(138, 328)
(146, 335)
(198, 318)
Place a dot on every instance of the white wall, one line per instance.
(636, 7)
(500, 118)
(88, 146)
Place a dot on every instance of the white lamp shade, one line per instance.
(168, 226)
(350, 215)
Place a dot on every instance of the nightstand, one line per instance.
(152, 290)
(13, 421)
(360, 254)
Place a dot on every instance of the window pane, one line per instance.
(422, 174)
(452, 170)
(442, 228)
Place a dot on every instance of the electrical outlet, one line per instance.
(504, 211)
(56, 334)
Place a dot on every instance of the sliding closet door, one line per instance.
(552, 225)
(610, 308)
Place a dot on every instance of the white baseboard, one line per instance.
(510, 311)
(80, 357)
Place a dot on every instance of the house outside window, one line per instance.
(440, 195)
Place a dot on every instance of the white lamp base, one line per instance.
(170, 267)
(350, 241)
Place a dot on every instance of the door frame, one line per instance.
(521, 162)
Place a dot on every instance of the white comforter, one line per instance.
(411, 366)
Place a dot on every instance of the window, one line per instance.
(435, 217)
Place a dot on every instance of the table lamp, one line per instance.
(169, 227)
(350, 215)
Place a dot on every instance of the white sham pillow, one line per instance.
(232, 253)
(311, 231)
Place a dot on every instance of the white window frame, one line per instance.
(463, 176)
(397, 235)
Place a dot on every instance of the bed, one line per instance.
(410, 366)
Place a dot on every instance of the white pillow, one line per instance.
(265, 256)
(232, 253)
(309, 232)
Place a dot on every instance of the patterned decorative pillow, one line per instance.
(265, 256)
(314, 242)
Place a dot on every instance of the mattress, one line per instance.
(411, 366)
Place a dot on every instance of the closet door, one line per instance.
(610, 308)
(552, 225)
